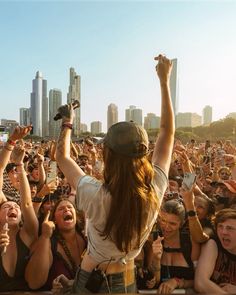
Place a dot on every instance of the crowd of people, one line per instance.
(118, 216)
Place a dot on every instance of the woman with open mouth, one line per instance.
(59, 249)
(16, 237)
(216, 270)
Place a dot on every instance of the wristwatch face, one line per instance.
(191, 213)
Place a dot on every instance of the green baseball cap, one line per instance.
(128, 139)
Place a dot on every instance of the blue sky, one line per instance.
(111, 44)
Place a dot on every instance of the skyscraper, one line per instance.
(151, 121)
(207, 115)
(39, 106)
(24, 116)
(74, 94)
(112, 115)
(55, 101)
(83, 127)
(128, 113)
(188, 120)
(96, 127)
(174, 86)
(134, 114)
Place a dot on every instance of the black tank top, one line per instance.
(225, 266)
(170, 271)
(17, 282)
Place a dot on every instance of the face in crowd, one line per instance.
(171, 218)
(10, 212)
(64, 215)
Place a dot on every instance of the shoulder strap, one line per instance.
(186, 246)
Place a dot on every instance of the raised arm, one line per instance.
(30, 224)
(164, 143)
(41, 256)
(42, 174)
(196, 230)
(18, 133)
(67, 165)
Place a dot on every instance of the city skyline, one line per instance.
(112, 47)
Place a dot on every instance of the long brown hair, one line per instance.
(132, 197)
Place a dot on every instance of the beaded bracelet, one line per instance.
(67, 125)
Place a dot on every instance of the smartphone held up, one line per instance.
(189, 180)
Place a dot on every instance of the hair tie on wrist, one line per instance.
(67, 125)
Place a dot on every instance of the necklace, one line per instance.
(62, 242)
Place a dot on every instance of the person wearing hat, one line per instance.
(122, 209)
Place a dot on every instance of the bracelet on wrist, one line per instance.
(11, 142)
(178, 281)
(37, 200)
(67, 125)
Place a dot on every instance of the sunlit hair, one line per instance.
(223, 215)
(132, 197)
(175, 207)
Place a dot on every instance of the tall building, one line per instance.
(128, 113)
(112, 115)
(96, 127)
(134, 114)
(83, 127)
(74, 94)
(188, 120)
(24, 116)
(151, 121)
(55, 101)
(39, 106)
(174, 89)
(207, 115)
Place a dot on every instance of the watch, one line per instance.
(191, 213)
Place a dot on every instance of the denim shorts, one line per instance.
(113, 284)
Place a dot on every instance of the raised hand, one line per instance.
(48, 188)
(20, 132)
(163, 68)
(40, 157)
(48, 226)
(18, 155)
(67, 112)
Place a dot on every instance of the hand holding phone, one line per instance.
(52, 173)
(189, 180)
